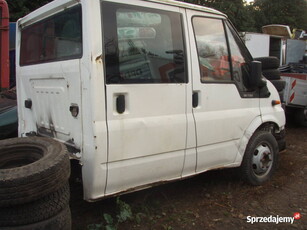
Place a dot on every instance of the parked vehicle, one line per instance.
(144, 92)
(295, 96)
(276, 41)
(284, 64)
(8, 118)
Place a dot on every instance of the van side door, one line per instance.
(223, 108)
(145, 93)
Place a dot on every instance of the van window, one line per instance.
(56, 38)
(240, 57)
(212, 49)
(142, 45)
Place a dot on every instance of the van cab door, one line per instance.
(223, 108)
(145, 93)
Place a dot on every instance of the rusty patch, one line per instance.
(134, 189)
(99, 58)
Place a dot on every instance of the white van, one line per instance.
(144, 92)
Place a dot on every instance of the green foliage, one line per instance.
(109, 220)
(292, 13)
(245, 17)
(21, 8)
(95, 227)
(252, 17)
(124, 213)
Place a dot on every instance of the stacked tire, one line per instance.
(34, 189)
(270, 71)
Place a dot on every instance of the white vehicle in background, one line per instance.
(287, 52)
(144, 92)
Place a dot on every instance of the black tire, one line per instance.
(279, 84)
(31, 168)
(260, 159)
(36, 211)
(62, 221)
(268, 62)
(271, 74)
(300, 117)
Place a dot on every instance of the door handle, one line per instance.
(195, 99)
(120, 104)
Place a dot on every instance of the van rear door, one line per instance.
(49, 76)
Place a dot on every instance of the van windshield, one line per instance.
(56, 38)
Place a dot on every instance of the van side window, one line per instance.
(240, 58)
(212, 50)
(56, 38)
(142, 45)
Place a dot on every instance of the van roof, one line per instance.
(188, 6)
(55, 5)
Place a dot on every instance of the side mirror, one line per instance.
(255, 78)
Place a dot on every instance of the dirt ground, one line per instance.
(212, 200)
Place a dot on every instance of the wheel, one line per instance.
(279, 84)
(271, 74)
(31, 168)
(300, 117)
(268, 62)
(260, 158)
(62, 221)
(37, 210)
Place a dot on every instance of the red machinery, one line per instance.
(4, 50)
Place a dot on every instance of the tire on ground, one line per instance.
(279, 84)
(260, 159)
(268, 62)
(37, 210)
(45, 169)
(271, 74)
(62, 221)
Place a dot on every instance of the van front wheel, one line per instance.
(260, 158)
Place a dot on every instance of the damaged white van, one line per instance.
(144, 92)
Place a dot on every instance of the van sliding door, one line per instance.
(145, 93)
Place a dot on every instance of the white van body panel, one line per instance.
(159, 136)
(269, 113)
(93, 154)
(190, 160)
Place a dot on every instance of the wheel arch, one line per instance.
(256, 125)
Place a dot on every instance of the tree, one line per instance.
(245, 17)
(263, 12)
(292, 13)
(238, 12)
(21, 8)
